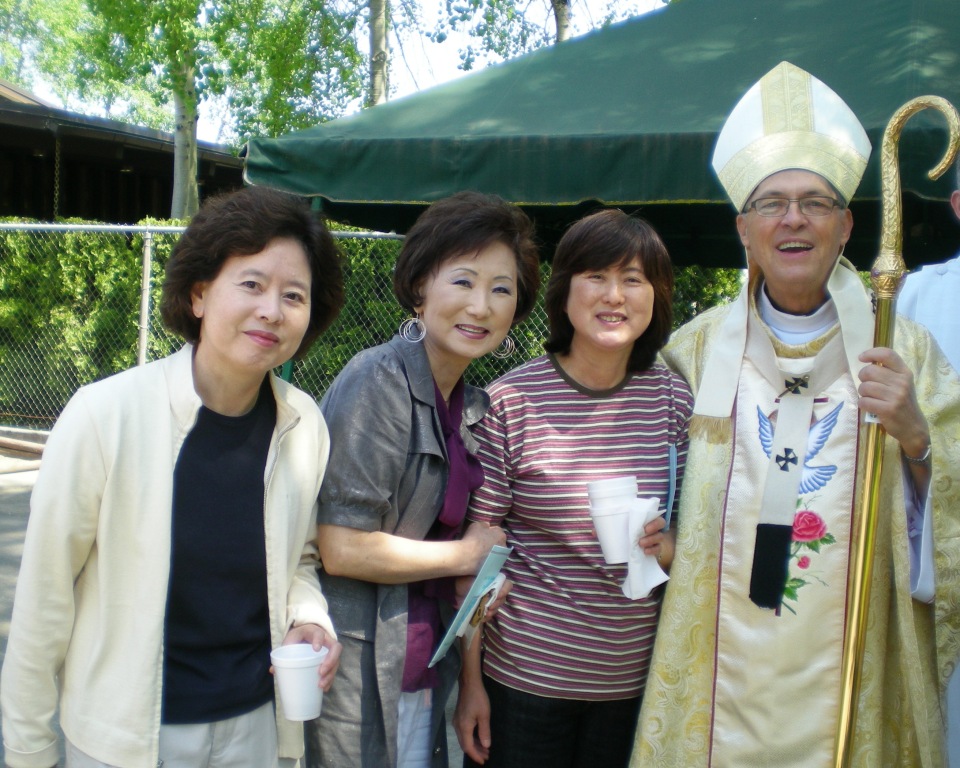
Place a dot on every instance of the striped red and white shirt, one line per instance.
(566, 629)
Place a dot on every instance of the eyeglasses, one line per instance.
(774, 207)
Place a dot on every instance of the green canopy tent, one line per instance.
(627, 116)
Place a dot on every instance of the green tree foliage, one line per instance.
(699, 288)
(89, 67)
(276, 65)
(283, 65)
(64, 316)
(16, 34)
(369, 317)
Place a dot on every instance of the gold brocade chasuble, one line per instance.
(724, 671)
(732, 684)
(795, 646)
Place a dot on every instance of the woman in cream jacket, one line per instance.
(171, 538)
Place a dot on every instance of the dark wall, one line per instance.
(100, 178)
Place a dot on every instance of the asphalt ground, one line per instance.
(18, 471)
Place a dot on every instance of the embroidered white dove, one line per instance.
(813, 478)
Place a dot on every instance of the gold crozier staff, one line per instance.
(886, 274)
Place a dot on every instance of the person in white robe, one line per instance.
(929, 296)
(747, 663)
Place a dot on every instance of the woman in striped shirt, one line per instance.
(566, 659)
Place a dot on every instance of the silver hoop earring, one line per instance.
(507, 347)
(412, 329)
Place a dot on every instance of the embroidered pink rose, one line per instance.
(808, 526)
(810, 535)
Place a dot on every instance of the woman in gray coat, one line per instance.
(400, 474)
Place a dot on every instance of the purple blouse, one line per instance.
(423, 617)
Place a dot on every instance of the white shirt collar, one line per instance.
(797, 329)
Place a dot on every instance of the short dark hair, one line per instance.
(243, 223)
(463, 224)
(606, 239)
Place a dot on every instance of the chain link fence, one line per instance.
(78, 302)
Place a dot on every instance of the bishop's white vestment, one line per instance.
(734, 685)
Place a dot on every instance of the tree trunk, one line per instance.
(561, 13)
(186, 199)
(378, 52)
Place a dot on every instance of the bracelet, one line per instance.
(925, 459)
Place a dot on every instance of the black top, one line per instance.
(217, 628)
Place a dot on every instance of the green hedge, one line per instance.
(70, 302)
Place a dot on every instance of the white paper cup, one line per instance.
(610, 503)
(612, 523)
(612, 487)
(297, 668)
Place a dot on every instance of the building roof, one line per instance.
(73, 165)
(11, 92)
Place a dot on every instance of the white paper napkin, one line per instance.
(643, 571)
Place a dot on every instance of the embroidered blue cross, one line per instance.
(789, 457)
(795, 385)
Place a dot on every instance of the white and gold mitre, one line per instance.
(789, 119)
